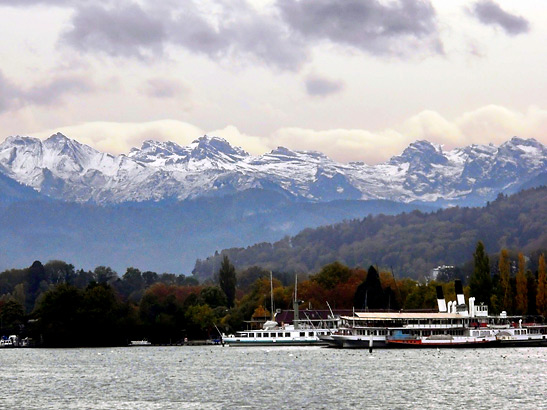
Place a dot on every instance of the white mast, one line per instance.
(295, 303)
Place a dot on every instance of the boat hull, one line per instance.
(355, 342)
(449, 344)
(523, 343)
(275, 342)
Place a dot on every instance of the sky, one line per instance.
(356, 79)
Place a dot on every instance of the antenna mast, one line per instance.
(295, 303)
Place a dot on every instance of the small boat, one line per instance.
(6, 342)
(142, 342)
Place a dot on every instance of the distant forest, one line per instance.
(408, 244)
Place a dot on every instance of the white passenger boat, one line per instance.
(300, 333)
(274, 335)
(454, 325)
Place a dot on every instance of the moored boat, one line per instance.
(455, 324)
(142, 342)
(301, 333)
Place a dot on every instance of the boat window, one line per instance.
(287, 334)
(302, 334)
(310, 333)
(280, 334)
(251, 335)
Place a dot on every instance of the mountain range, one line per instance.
(162, 206)
(65, 169)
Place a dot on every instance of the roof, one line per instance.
(287, 316)
(403, 315)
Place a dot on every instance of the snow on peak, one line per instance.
(58, 137)
(421, 152)
(65, 169)
(210, 145)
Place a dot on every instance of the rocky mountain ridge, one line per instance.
(62, 168)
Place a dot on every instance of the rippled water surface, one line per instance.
(215, 377)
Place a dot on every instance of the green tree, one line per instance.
(522, 288)
(201, 318)
(60, 272)
(331, 275)
(104, 274)
(59, 317)
(133, 284)
(150, 278)
(11, 316)
(213, 296)
(37, 283)
(227, 280)
(102, 313)
(370, 294)
(480, 283)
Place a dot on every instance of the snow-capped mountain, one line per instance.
(63, 168)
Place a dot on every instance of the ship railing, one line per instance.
(433, 326)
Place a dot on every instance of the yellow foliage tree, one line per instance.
(505, 274)
(261, 313)
(522, 288)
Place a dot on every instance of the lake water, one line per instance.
(215, 377)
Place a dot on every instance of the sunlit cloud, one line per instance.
(490, 124)
(119, 138)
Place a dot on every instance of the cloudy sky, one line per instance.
(356, 79)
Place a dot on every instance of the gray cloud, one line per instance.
(28, 3)
(122, 29)
(128, 29)
(13, 97)
(402, 27)
(164, 88)
(281, 38)
(489, 12)
(321, 87)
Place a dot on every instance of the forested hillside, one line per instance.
(410, 243)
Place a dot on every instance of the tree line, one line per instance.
(56, 305)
